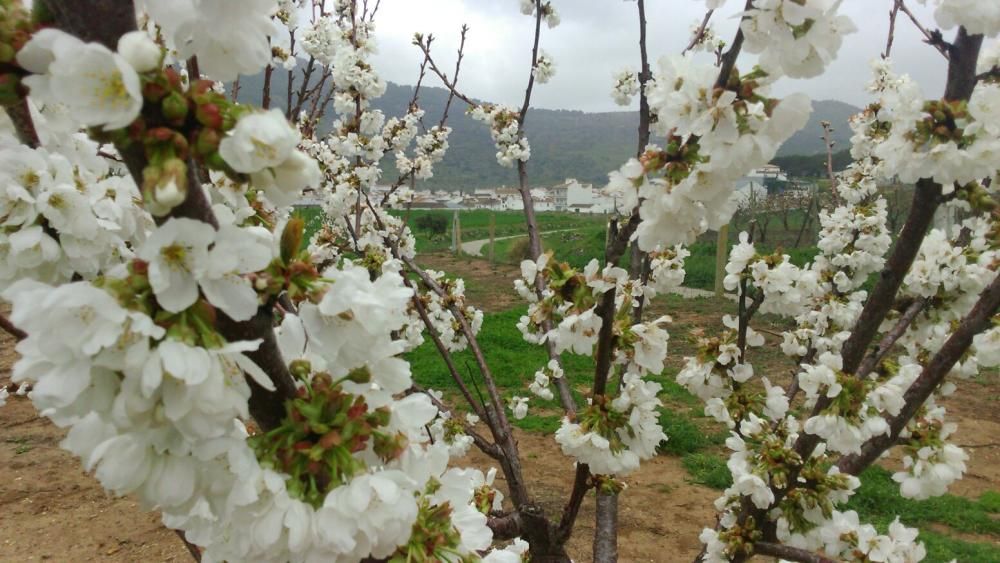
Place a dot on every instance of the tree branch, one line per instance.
(10, 329)
(606, 531)
(729, 58)
(932, 38)
(892, 27)
(700, 32)
(789, 553)
(978, 320)
(24, 126)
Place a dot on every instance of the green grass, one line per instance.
(707, 469)
(580, 246)
(513, 363)
(684, 436)
(475, 224)
(313, 216)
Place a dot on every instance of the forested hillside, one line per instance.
(564, 143)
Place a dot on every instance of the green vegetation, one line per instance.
(707, 469)
(475, 225)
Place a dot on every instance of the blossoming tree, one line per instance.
(249, 386)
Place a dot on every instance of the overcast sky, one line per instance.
(598, 37)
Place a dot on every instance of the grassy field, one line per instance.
(579, 246)
(475, 224)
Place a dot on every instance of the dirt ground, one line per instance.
(51, 510)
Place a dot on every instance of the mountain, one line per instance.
(809, 139)
(564, 143)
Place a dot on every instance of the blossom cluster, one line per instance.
(612, 435)
(438, 310)
(626, 85)
(680, 192)
(795, 38)
(511, 145)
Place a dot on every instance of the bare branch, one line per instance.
(993, 73)
(24, 126)
(875, 356)
(789, 553)
(10, 329)
(265, 99)
(892, 27)
(445, 354)
(194, 550)
(458, 67)
(828, 143)
(485, 446)
(932, 38)
(449, 84)
(534, 63)
(728, 60)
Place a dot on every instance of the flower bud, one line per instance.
(175, 108)
(291, 238)
(300, 368)
(207, 141)
(170, 188)
(360, 375)
(209, 115)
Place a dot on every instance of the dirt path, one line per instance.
(475, 247)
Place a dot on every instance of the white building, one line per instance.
(573, 196)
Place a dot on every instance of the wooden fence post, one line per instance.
(721, 247)
(493, 228)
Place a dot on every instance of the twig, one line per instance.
(699, 33)
(9, 327)
(728, 60)
(789, 553)
(449, 84)
(481, 442)
(875, 356)
(458, 67)
(991, 73)
(265, 100)
(194, 550)
(534, 62)
(892, 28)
(932, 38)
(445, 354)
(24, 126)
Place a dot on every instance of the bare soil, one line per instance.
(51, 510)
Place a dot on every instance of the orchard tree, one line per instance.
(249, 385)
